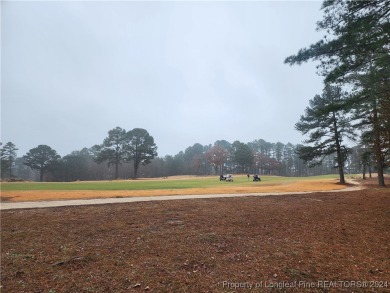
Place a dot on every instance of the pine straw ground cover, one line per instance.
(291, 243)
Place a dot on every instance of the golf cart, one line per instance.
(228, 177)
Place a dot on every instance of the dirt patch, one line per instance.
(259, 187)
(208, 245)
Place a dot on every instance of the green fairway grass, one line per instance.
(150, 184)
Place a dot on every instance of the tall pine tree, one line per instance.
(327, 126)
(113, 149)
(8, 157)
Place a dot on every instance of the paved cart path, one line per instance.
(79, 202)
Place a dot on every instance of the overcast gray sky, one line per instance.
(188, 72)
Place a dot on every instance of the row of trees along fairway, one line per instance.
(96, 163)
(354, 55)
(135, 146)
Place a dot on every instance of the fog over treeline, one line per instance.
(221, 157)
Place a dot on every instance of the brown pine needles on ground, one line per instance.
(203, 245)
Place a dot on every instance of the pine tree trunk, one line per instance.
(116, 170)
(136, 164)
(364, 171)
(378, 149)
(340, 162)
(117, 162)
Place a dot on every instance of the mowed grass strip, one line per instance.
(104, 185)
(155, 184)
(140, 184)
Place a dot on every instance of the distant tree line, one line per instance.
(132, 154)
(119, 147)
